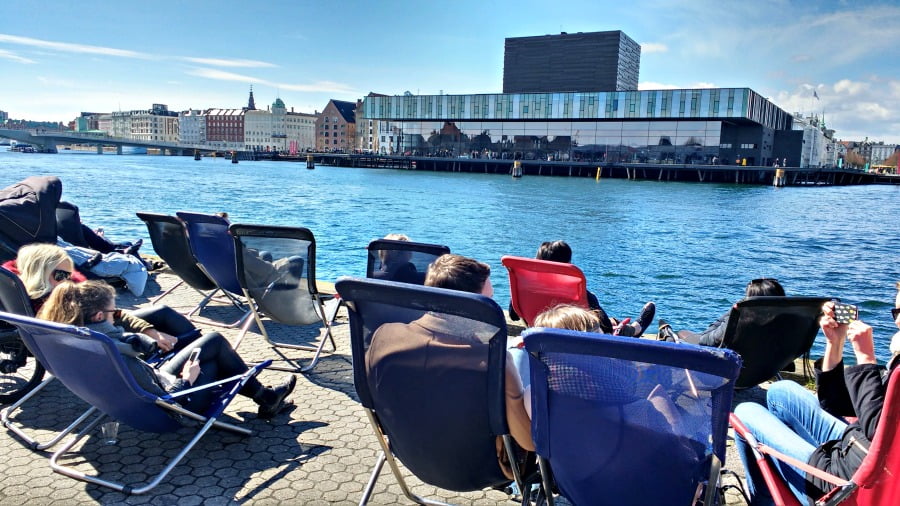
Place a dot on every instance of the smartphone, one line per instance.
(845, 313)
(195, 355)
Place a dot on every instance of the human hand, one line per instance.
(834, 332)
(165, 341)
(860, 336)
(191, 371)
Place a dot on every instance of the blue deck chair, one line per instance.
(402, 261)
(626, 421)
(276, 267)
(90, 366)
(438, 409)
(771, 332)
(168, 236)
(213, 248)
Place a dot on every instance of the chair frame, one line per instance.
(352, 290)
(190, 219)
(319, 299)
(514, 264)
(27, 327)
(726, 365)
(394, 245)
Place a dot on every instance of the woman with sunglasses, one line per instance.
(42, 267)
(816, 428)
(715, 333)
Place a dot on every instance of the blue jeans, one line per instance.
(793, 424)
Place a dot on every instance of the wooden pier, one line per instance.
(792, 176)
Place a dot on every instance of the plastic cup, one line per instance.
(110, 432)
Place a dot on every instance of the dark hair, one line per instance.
(456, 272)
(76, 304)
(555, 251)
(764, 286)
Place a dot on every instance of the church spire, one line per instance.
(251, 104)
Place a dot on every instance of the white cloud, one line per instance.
(653, 47)
(846, 86)
(225, 62)
(319, 86)
(221, 75)
(9, 55)
(72, 48)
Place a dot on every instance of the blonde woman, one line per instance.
(41, 267)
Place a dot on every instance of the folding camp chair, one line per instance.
(536, 285)
(213, 249)
(429, 369)
(89, 364)
(168, 236)
(875, 483)
(402, 261)
(617, 420)
(276, 268)
(770, 333)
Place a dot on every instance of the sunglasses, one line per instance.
(895, 312)
(61, 275)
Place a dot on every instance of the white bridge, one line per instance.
(47, 140)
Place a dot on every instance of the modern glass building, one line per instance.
(719, 125)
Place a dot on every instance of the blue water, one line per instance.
(689, 247)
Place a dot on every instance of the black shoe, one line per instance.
(646, 317)
(274, 399)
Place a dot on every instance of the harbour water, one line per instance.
(690, 247)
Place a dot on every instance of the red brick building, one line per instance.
(336, 127)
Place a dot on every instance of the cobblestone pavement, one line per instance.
(319, 452)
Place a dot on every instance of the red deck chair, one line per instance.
(536, 285)
(876, 481)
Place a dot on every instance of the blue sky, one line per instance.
(58, 58)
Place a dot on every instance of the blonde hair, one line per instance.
(567, 316)
(390, 256)
(76, 304)
(35, 263)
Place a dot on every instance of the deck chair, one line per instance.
(536, 285)
(770, 333)
(875, 483)
(89, 364)
(276, 268)
(213, 249)
(618, 420)
(402, 261)
(168, 236)
(438, 409)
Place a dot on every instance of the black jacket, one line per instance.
(859, 391)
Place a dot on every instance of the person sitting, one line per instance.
(91, 304)
(715, 333)
(560, 251)
(396, 264)
(453, 272)
(812, 428)
(42, 267)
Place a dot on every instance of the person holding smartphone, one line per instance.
(207, 359)
(815, 430)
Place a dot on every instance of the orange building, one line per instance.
(336, 127)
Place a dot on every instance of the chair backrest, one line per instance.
(877, 476)
(403, 261)
(213, 247)
(13, 295)
(89, 364)
(277, 267)
(169, 238)
(430, 363)
(28, 213)
(770, 332)
(536, 285)
(628, 421)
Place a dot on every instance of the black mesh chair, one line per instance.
(169, 238)
(771, 332)
(276, 268)
(402, 261)
(429, 369)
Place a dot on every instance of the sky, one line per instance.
(59, 57)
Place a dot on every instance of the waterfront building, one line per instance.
(815, 146)
(225, 128)
(3, 117)
(879, 152)
(719, 125)
(299, 130)
(192, 127)
(157, 124)
(595, 61)
(336, 127)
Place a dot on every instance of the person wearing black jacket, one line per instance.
(815, 430)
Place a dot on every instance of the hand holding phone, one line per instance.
(845, 313)
(195, 355)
